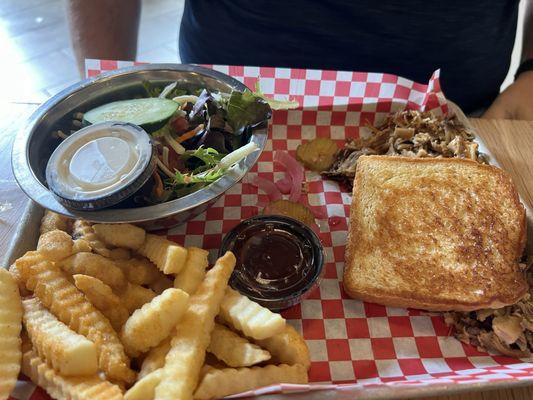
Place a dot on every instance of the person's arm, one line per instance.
(104, 29)
(516, 102)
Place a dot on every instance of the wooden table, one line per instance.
(510, 141)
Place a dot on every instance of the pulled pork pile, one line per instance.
(407, 133)
(507, 330)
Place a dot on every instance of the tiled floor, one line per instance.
(35, 56)
(36, 59)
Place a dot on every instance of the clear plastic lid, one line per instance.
(100, 165)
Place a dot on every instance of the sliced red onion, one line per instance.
(284, 184)
(295, 170)
(266, 186)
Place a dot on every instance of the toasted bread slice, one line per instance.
(435, 234)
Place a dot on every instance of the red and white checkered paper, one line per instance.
(352, 344)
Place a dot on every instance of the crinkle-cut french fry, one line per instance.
(120, 235)
(69, 353)
(55, 245)
(67, 388)
(155, 358)
(66, 302)
(103, 299)
(119, 253)
(187, 353)
(52, 221)
(218, 383)
(135, 296)
(144, 388)
(255, 321)
(28, 259)
(168, 256)
(17, 277)
(193, 273)
(154, 321)
(10, 326)
(84, 230)
(139, 270)
(96, 266)
(161, 284)
(235, 350)
(287, 347)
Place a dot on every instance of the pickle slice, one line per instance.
(317, 154)
(290, 209)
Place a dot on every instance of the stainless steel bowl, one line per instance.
(35, 143)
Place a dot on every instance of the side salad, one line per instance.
(197, 136)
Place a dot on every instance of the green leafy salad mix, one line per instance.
(197, 136)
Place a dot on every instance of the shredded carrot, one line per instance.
(189, 134)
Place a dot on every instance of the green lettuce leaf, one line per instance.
(168, 92)
(217, 164)
(204, 177)
(208, 156)
(273, 103)
(151, 89)
(245, 108)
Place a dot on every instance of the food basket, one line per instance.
(357, 349)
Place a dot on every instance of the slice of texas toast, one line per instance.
(436, 234)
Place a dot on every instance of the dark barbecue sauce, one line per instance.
(278, 260)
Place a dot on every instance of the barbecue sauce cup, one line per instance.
(279, 260)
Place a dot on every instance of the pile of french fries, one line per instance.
(112, 312)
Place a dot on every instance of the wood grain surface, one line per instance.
(512, 144)
(510, 141)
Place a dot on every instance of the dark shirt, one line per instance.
(470, 40)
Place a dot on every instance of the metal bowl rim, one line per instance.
(34, 189)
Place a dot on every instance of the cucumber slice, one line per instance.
(150, 113)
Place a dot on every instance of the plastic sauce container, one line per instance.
(100, 165)
(279, 260)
